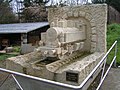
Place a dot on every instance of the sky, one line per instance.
(80, 1)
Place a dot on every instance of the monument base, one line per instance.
(69, 70)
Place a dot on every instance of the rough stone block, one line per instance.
(88, 16)
(94, 37)
(70, 13)
(76, 13)
(11, 64)
(27, 48)
(94, 30)
(62, 24)
(81, 13)
(9, 49)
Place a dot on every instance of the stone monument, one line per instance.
(71, 47)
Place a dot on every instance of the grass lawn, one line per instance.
(5, 56)
(16, 51)
(113, 33)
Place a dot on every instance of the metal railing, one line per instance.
(25, 81)
(113, 61)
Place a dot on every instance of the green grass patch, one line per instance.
(113, 33)
(17, 49)
(16, 52)
(5, 56)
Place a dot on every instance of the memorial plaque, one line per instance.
(72, 77)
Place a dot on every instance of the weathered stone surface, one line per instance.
(27, 48)
(94, 17)
(83, 66)
(55, 71)
(93, 47)
(20, 63)
(9, 49)
(94, 31)
(94, 37)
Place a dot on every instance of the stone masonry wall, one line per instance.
(94, 17)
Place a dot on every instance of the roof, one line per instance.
(21, 27)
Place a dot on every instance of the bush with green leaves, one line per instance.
(113, 33)
(17, 49)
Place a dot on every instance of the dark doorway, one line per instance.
(9, 40)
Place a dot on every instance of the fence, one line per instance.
(26, 82)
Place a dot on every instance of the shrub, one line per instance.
(17, 49)
(113, 33)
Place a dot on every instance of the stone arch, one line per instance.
(77, 14)
(90, 43)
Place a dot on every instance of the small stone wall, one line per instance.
(20, 63)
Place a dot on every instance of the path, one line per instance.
(6, 82)
(112, 81)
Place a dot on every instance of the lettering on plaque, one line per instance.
(72, 77)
